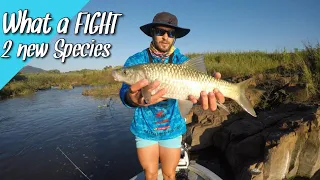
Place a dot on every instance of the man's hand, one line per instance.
(209, 100)
(134, 93)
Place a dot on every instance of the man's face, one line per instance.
(163, 42)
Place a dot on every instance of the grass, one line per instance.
(111, 89)
(239, 63)
(32, 82)
(305, 63)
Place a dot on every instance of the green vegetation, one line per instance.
(109, 90)
(304, 63)
(27, 83)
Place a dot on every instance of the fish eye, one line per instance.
(125, 71)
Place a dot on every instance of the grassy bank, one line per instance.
(26, 83)
(305, 63)
(108, 90)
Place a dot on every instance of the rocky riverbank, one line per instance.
(283, 142)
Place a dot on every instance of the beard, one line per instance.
(162, 46)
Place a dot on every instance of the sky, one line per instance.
(216, 26)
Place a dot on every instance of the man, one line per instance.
(158, 124)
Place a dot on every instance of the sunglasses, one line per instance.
(161, 32)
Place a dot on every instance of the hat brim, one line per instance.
(180, 32)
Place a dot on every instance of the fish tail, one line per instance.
(242, 100)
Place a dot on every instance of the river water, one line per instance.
(93, 133)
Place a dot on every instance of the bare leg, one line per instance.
(169, 158)
(149, 160)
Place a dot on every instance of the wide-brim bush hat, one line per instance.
(165, 19)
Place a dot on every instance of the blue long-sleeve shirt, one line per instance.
(158, 121)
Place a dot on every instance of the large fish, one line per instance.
(182, 80)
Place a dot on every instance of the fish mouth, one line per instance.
(114, 74)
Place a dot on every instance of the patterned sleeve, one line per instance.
(132, 60)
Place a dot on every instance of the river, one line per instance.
(94, 133)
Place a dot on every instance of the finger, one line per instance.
(212, 101)
(154, 85)
(137, 86)
(204, 100)
(217, 75)
(192, 99)
(158, 95)
(219, 95)
(135, 97)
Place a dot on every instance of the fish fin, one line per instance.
(184, 107)
(223, 107)
(196, 63)
(242, 100)
(146, 94)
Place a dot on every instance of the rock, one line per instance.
(316, 176)
(201, 126)
(280, 143)
(201, 136)
(189, 117)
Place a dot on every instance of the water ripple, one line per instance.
(93, 132)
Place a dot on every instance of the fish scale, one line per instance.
(182, 80)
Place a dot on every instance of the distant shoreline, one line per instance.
(304, 63)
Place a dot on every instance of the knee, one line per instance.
(169, 175)
(151, 174)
